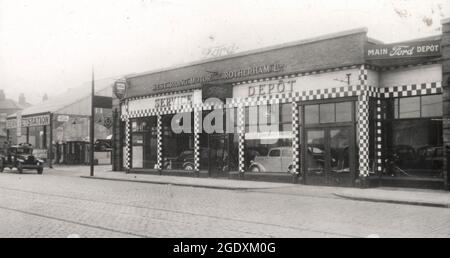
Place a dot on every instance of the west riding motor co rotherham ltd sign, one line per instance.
(404, 50)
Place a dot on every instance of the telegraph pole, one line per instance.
(92, 126)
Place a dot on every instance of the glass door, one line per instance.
(329, 156)
(315, 155)
(218, 154)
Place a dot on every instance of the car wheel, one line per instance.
(40, 170)
(255, 169)
(189, 167)
(20, 168)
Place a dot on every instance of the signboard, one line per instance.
(189, 83)
(102, 102)
(403, 50)
(172, 101)
(36, 121)
(28, 121)
(62, 118)
(119, 88)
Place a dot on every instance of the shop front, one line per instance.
(160, 132)
(34, 130)
(315, 112)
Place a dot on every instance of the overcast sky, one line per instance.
(47, 46)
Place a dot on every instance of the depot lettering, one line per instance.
(271, 88)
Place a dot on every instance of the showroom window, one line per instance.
(178, 147)
(219, 152)
(268, 150)
(414, 137)
(417, 107)
(144, 142)
(37, 137)
(340, 112)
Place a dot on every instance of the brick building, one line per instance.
(341, 109)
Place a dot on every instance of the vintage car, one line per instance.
(21, 157)
(277, 160)
(185, 161)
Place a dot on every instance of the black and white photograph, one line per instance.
(220, 126)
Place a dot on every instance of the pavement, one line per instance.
(420, 197)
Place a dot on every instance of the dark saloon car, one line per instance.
(21, 157)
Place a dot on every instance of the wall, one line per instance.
(412, 75)
(303, 83)
(445, 46)
(344, 50)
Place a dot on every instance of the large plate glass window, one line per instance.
(178, 147)
(414, 137)
(268, 138)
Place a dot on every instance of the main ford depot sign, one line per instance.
(403, 50)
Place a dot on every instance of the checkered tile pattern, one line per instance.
(197, 131)
(379, 138)
(363, 125)
(159, 128)
(128, 144)
(411, 90)
(295, 139)
(241, 132)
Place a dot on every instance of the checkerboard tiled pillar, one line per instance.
(295, 139)
(363, 124)
(241, 133)
(128, 164)
(379, 139)
(197, 132)
(159, 128)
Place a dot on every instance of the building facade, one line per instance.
(58, 128)
(342, 110)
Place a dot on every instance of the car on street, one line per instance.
(21, 157)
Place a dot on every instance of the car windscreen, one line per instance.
(23, 151)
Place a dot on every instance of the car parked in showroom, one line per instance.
(276, 160)
(21, 157)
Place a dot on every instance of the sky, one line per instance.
(48, 46)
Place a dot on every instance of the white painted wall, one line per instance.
(305, 83)
(373, 79)
(413, 75)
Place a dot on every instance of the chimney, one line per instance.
(2, 95)
(45, 97)
(22, 100)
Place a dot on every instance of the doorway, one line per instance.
(330, 156)
(221, 154)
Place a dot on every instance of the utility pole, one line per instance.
(92, 126)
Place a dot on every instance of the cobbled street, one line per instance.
(61, 204)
